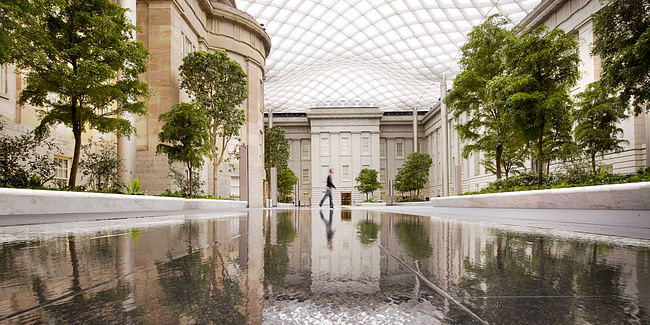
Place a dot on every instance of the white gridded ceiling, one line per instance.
(389, 54)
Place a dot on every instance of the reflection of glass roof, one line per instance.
(385, 53)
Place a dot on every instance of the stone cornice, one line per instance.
(235, 15)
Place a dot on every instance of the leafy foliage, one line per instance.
(478, 93)
(622, 40)
(217, 84)
(133, 188)
(286, 180)
(20, 163)
(414, 173)
(414, 238)
(72, 52)
(101, 165)
(597, 117)
(276, 154)
(367, 181)
(542, 66)
(182, 180)
(367, 232)
(184, 137)
(571, 177)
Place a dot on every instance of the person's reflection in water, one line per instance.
(328, 228)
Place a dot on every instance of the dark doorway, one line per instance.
(346, 198)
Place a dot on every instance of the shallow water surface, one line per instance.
(314, 266)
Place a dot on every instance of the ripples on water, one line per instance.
(344, 266)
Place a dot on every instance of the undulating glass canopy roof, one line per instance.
(390, 54)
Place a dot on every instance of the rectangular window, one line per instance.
(477, 163)
(608, 167)
(325, 145)
(399, 149)
(345, 172)
(187, 46)
(305, 176)
(365, 144)
(4, 78)
(305, 150)
(61, 168)
(345, 145)
(382, 148)
(382, 175)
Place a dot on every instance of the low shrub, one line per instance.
(573, 177)
(409, 199)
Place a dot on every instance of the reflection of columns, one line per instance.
(126, 145)
(445, 136)
(253, 276)
(125, 269)
(415, 129)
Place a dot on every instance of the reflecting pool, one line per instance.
(315, 266)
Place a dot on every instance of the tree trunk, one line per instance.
(76, 130)
(215, 177)
(189, 170)
(593, 162)
(540, 153)
(498, 159)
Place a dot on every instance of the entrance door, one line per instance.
(346, 198)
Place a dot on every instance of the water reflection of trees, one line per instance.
(367, 230)
(276, 257)
(86, 306)
(413, 237)
(527, 279)
(201, 289)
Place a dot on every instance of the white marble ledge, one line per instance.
(630, 196)
(24, 201)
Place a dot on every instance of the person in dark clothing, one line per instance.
(328, 190)
(329, 232)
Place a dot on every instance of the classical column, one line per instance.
(126, 145)
(415, 129)
(445, 136)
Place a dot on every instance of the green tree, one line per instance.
(101, 165)
(367, 181)
(542, 66)
(286, 180)
(476, 95)
(218, 85)
(185, 131)
(622, 40)
(82, 67)
(276, 154)
(25, 160)
(597, 116)
(414, 173)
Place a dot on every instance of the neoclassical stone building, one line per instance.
(169, 30)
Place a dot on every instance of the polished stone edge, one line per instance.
(632, 196)
(374, 204)
(22, 201)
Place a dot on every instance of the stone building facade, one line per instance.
(170, 30)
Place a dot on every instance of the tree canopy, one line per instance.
(477, 93)
(597, 117)
(286, 180)
(414, 173)
(276, 149)
(81, 64)
(184, 137)
(367, 181)
(622, 40)
(218, 85)
(542, 66)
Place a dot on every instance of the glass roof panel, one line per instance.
(391, 54)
